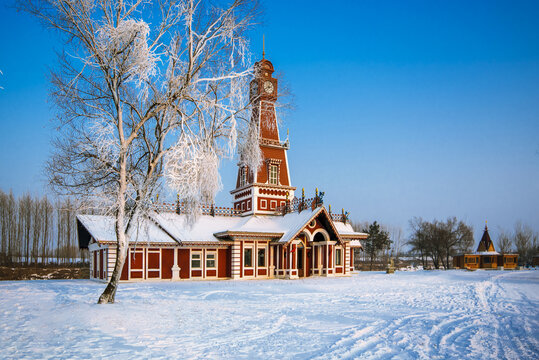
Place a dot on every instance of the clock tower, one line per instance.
(262, 193)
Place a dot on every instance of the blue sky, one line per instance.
(416, 108)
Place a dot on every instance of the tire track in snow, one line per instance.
(515, 342)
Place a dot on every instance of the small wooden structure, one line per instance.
(486, 257)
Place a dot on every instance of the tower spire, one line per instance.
(263, 46)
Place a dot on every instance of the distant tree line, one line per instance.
(36, 230)
(435, 242)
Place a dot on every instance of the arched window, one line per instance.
(319, 237)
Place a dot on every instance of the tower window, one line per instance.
(243, 176)
(273, 172)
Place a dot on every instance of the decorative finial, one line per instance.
(486, 225)
(263, 46)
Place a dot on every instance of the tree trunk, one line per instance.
(109, 294)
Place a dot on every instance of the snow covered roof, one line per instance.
(487, 253)
(101, 228)
(202, 230)
(355, 244)
(169, 227)
(348, 231)
(210, 228)
(288, 225)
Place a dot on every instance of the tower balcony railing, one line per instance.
(294, 205)
(300, 204)
(284, 144)
(181, 207)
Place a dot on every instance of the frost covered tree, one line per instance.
(147, 93)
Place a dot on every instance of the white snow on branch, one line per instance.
(126, 46)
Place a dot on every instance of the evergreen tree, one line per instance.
(376, 241)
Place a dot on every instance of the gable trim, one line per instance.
(321, 210)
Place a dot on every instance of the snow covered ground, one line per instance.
(407, 315)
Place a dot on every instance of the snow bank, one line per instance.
(407, 315)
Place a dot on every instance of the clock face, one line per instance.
(268, 87)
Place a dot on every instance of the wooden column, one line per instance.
(175, 268)
(271, 266)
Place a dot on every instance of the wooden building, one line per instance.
(486, 257)
(268, 233)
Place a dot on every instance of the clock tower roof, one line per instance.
(264, 66)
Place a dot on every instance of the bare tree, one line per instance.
(439, 240)
(4, 227)
(25, 226)
(36, 229)
(419, 239)
(13, 244)
(526, 242)
(47, 220)
(504, 244)
(397, 244)
(145, 82)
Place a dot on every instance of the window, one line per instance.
(261, 257)
(486, 260)
(338, 257)
(248, 257)
(243, 176)
(210, 260)
(263, 204)
(273, 174)
(195, 260)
